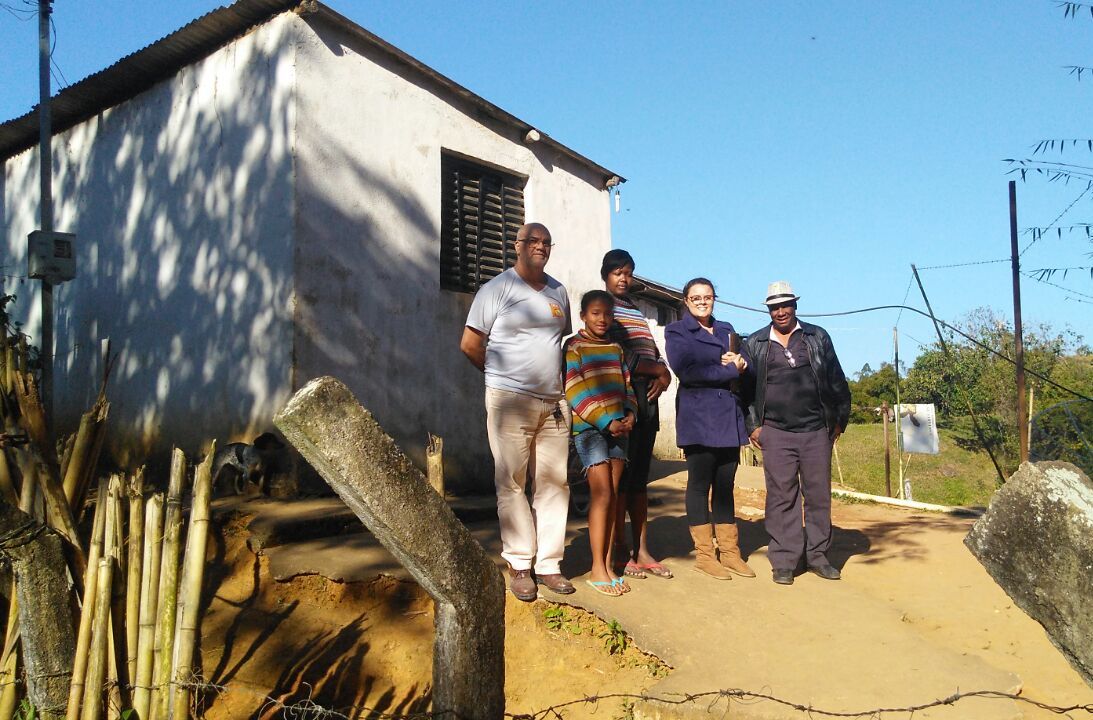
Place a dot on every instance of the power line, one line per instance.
(964, 264)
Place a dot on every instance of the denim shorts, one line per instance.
(595, 447)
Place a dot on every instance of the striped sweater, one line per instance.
(597, 382)
(631, 331)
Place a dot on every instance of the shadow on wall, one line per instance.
(370, 310)
(181, 199)
(226, 275)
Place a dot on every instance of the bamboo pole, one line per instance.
(153, 526)
(117, 678)
(134, 571)
(197, 538)
(66, 455)
(100, 632)
(96, 451)
(434, 462)
(84, 456)
(31, 412)
(7, 484)
(168, 592)
(87, 612)
(73, 469)
(9, 664)
(59, 514)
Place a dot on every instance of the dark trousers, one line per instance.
(639, 456)
(708, 468)
(796, 465)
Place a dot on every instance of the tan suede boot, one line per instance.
(705, 562)
(728, 550)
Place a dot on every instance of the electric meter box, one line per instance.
(51, 256)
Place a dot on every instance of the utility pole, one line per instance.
(1018, 340)
(45, 156)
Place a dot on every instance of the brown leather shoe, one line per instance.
(522, 585)
(556, 582)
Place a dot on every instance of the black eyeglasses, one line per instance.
(538, 241)
(789, 357)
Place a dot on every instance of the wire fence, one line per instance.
(306, 708)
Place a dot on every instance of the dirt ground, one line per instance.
(364, 648)
(914, 618)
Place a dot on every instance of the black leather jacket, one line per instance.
(834, 391)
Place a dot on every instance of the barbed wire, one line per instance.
(1037, 235)
(906, 294)
(1039, 279)
(307, 709)
(965, 264)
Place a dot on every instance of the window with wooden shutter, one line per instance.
(481, 210)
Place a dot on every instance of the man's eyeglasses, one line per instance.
(532, 242)
(789, 357)
(700, 299)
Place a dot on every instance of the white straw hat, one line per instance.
(779, 292)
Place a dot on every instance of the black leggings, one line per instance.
(711, 467)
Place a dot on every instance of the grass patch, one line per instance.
(954, 477)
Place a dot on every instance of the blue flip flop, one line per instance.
(601, 586)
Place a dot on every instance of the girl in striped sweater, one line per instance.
(597, 386)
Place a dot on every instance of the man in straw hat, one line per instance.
(800, 404)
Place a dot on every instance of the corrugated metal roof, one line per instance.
(161, 60)
(136, 73)
(657, 292)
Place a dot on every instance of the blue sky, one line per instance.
(828, 144)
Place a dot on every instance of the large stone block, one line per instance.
(365, 467)
(1036, 541)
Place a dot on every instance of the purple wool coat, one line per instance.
(707, 411)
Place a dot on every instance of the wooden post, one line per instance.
(392, 498)
(887, 451)
(434, 462)
(42, 595)
(1018, 332)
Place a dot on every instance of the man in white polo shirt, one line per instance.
(514, 335)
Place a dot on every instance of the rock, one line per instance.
(1036, 541)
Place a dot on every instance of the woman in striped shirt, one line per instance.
(649, 377)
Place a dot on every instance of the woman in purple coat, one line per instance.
(709, 427)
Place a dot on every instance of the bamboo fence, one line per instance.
(138, 615)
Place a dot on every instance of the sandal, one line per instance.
(604, 587)
(653, 568)
(634, 570)
(620, 583)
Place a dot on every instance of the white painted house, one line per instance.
(271, 194)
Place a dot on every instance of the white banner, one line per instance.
(919, 428)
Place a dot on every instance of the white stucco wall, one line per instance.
(181, 200)
(665, 447)
(369, 305)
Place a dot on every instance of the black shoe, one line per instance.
(783, 577)
(826, 571)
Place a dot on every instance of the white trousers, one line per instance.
(529, 438)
